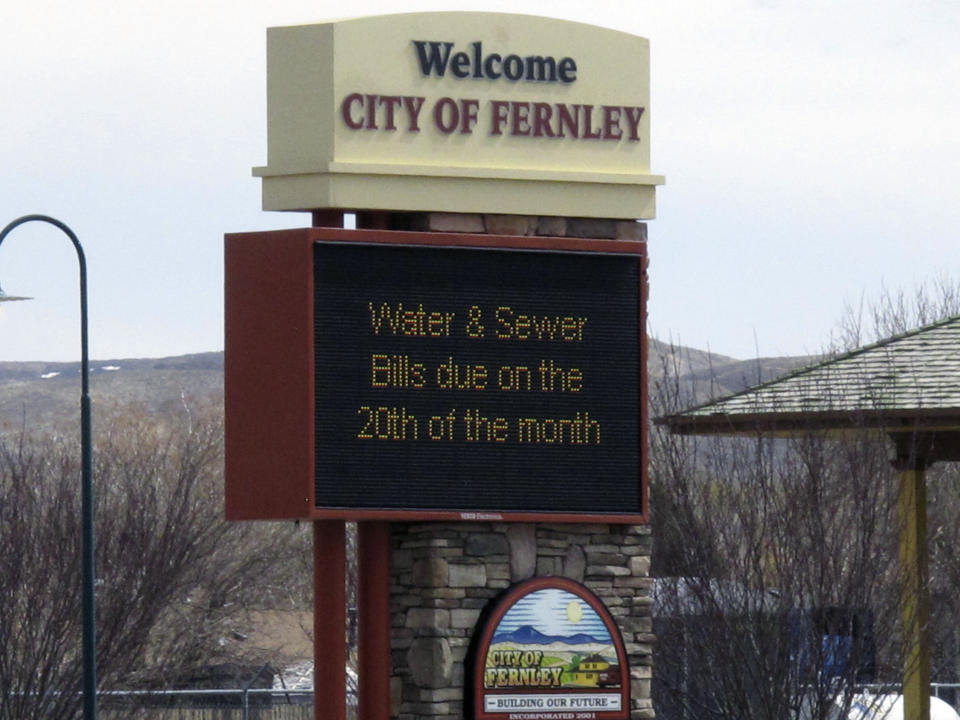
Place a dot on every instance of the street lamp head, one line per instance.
(11, 298)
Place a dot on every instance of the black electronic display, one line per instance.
(477, 380)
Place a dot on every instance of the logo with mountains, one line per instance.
(529, 635)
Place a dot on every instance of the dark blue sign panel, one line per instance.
(482, 380)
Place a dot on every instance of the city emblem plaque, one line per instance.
(550, 650)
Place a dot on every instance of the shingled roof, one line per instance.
(906, 382)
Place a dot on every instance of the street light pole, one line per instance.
(86, 477)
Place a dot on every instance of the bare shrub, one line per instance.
(174, 580)
(777, 591)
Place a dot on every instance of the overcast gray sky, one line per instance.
(810, 148)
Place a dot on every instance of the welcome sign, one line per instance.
(515, 118)
(459, 112)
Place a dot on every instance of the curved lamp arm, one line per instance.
(83, 271)
(86, 445)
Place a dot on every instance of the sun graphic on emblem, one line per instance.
(574, 611)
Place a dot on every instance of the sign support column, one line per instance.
(373, 600)
(329, 619)
(911, 464)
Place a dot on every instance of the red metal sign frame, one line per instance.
(269, 372)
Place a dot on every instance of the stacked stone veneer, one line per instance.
(525, 225)
(445, 574)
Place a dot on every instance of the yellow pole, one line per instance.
(915, 599)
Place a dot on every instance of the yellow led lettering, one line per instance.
(454, 376)
(471, 373)
(512, 325)
(555, 378)
(387, 423)
(396, 371)
(516, 377)
(580, 430)
(388, 319)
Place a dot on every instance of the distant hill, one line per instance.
(45, 393)
(704, 375)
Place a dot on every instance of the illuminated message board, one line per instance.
(477, 379)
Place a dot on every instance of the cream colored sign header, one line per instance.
(459, 112)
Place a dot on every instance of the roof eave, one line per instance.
(802, 422)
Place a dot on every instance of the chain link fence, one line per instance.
(218, 704)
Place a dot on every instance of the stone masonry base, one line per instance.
(444, 574)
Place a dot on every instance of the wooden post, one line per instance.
(329, 620)
(915, 594)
